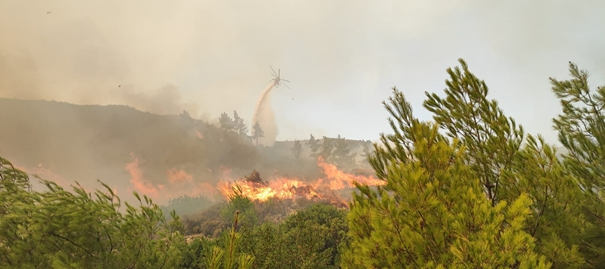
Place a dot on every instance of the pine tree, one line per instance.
(507, 169)
(433, 212)
(297, 149)
(342, 153)
(186, 119)
(327, 149)
(257, 132)
(227, 125)
(581, 129)
(240, 127)
(228, 257)
(490, 137)
(226, 122)
(314, 145)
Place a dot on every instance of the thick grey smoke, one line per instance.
(264, 115)
(101, 52)
(344, 58)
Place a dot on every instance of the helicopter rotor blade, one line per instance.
(285, 80)
(273, 71)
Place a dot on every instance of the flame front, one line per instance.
(178, 183)
(290, 188)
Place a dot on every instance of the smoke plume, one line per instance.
(264, 115)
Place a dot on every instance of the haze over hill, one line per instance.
(207, 57)
(159, 155)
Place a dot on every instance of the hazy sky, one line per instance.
(342, 57)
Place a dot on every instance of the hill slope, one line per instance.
(163, 155)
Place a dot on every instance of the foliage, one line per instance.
(208, 223)
(581, 128)
(309, 238)
(432, 213)
(327, 149)
(185, 205)
(297, 149)
(482, 194)
(491, 138)
(196, 253)
(313, 146)
(257, 132)
(241, 205)
(229, 257)
(507, 169)
(60, 229)
(226, 122)
(342, 155)
(239, 125)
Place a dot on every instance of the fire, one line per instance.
(199, 135)
(289, 188)
(340, 180)
(175, 176)
(45, 173)
(178, 183)
(138, 181)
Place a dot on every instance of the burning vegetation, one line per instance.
(256, 189)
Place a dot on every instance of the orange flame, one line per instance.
(178, 176)
(199, 135)
(288, 188)
(179, 183)
(340, 180)
(138, 181)
(46, 173)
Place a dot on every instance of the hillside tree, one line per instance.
(342, 154)
(226, 122)
(327, 149)
(257, 132)
(240, 127)
(314, 146)
(297, 149)
(186, 119)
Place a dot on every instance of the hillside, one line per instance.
(160, 155)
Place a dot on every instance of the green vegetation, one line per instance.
(61, 229)
(470, 189)
(186, 205)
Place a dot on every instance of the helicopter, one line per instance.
(277, 79)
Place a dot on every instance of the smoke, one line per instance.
(264, 115)
(214, 52)
(207, 57)
(100, 53)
